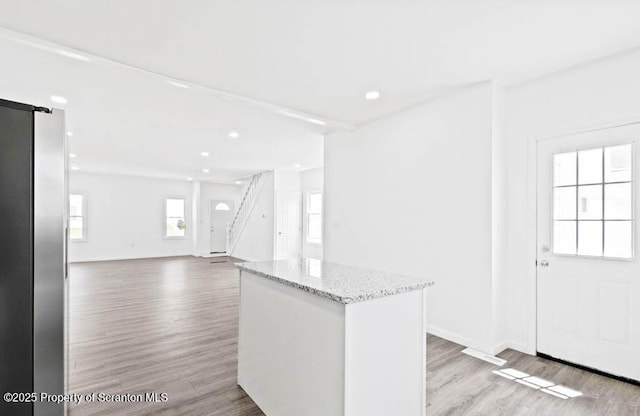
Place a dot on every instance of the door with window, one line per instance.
(221, 215)
(588, 277)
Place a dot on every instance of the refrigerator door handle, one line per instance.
(66, 251)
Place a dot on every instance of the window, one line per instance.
(221, 206)
(77, 217)
(314, 217)
(593, 202)
(175, 224)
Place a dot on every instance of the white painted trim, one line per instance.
(187, 219)
(94, 259)
(85, 212)
(521, 347)
(458, 339)
(501, 346)
(532, 243)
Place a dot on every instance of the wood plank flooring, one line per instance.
(170, 326)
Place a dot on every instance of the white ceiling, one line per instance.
(314, 57)
(128, 122)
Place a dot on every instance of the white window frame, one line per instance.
(308, 213)
(164, 222)
(603, 183)
(85, 223)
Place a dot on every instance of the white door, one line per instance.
(588, 276)
(221, 215)
(288, 224)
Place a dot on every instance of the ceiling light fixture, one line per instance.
(238, 182)
(72, 155)
(189, 179)
(204, 154)
(372, 95)
(74, 168)
(73, 55)
(69, 133)
(297, 166)
(234, 134)
(205, 170)
(178, 84)
(58, 99)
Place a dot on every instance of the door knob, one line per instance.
(544, 263)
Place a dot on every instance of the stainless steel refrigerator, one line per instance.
(32, 255)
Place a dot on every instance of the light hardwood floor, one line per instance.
(170, 326)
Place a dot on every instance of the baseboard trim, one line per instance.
(97, 259)
(458, 339)
(521, 347)
(589, 369)
(464, 341)
(498, 348)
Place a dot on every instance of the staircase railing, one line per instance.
(235, 228)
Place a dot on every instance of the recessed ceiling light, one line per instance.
(205, 170)
(72, 155)
(204, 154)
(178, 84)
(234, 134)
(69, 133)
(74, 168)
(58, 99)
(297, 165)
(73, 55)
(189, 179)
(238, 182)
(372, 95)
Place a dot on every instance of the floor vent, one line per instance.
(485, 357)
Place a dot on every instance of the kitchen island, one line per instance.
(318, 338)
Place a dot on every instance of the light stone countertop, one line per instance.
(338, 282)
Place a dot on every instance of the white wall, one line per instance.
(599, 94)
(211, 192)
(125, 217)
(256, 242)
(311, 181)
(286, 180)
(412, 193)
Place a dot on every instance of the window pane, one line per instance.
(564, 169)
(617, 201)
(618, 239)
(590, 166)
(75, 205)
(590, 202)
(617, 163)
(564, 237)
(175, 207)
(76, 228)
(590, 238)
(315, 203)
(175, 227)
(564, 203)
(315, 226)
